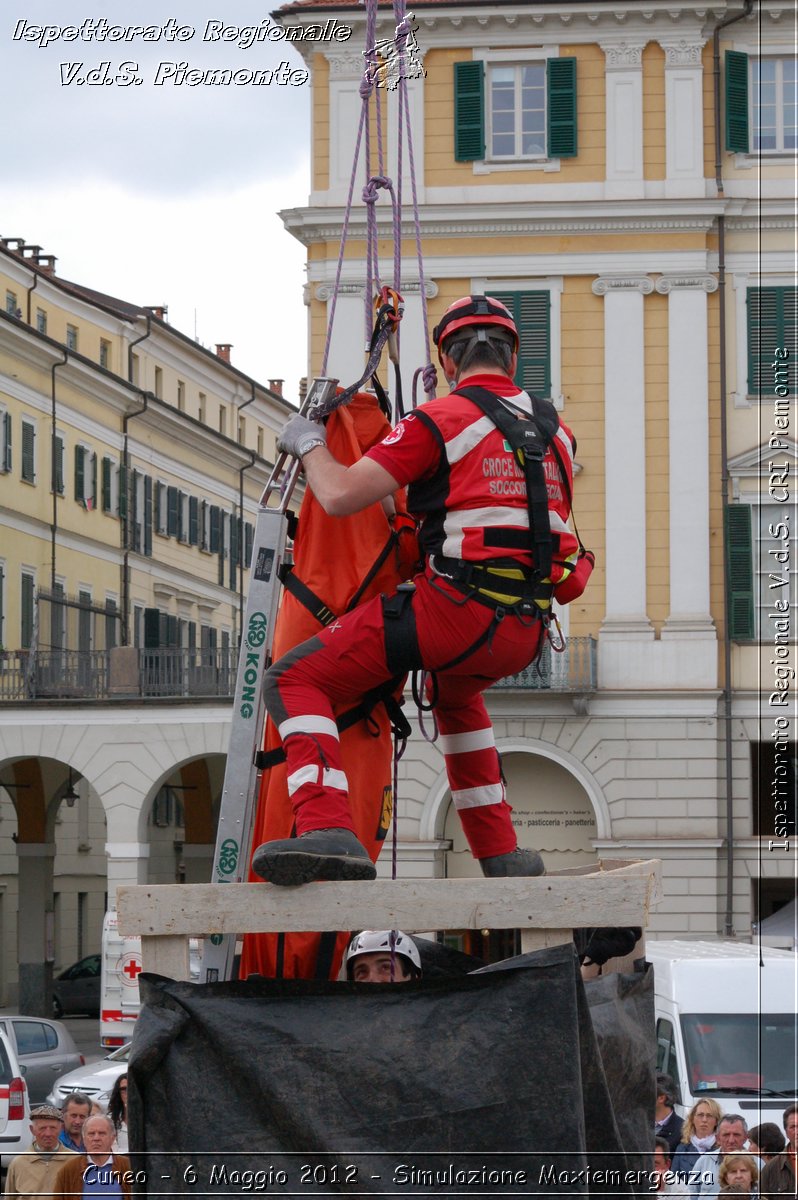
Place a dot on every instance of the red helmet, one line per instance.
(474, 311)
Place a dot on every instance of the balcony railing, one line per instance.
(125, 673)
(572, 670)
(122, 673)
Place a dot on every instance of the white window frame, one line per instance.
(41, 320)
(72, 334)
(161, 508)
(513, 58)
(183, 501)
(742, 281)
(12, 305)
(89, 470)
(138, 526)
(780, 149)
(205, 526)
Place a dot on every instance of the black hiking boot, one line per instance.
(515, 862)
(319, 854)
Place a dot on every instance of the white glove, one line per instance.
(300, 436)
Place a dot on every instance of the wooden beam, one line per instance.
(605, 897)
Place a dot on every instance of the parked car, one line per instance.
(15, 1134)
(95, 1080)
(77, 989)
(44, 1050)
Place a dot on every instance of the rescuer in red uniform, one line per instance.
(493, 505)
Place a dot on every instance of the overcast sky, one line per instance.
(163, 194)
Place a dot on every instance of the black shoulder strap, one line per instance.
(528, 438)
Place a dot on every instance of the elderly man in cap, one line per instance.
(33, 1172)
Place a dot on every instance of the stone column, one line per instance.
(688, 439)
(127, 864)
(684, 117)
(34, 928)
(624, 118)
(625, 455)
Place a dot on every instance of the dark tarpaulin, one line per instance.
(622, 1011)
(488, 1084)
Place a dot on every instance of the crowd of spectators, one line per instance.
(713, 1154)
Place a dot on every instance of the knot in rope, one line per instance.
(373, 186)
(367, 82)
(429, 377)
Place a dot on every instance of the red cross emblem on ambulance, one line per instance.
(129, 969)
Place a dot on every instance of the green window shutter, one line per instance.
(58, 465)
(182, 533)
(26, 612)
(122, 491)
(772, 320)
(80, 470)
(152, 628)
(28, 448)
(2, 602)
(216, 522)
(148, 516)
(469, 111)
(531, 312)
(135, 515)
(561, 141)
(249, 538)
(737, 101)
(172, 507)
(93, 497)
(203, 525)
(106, 487)
(740, 572)
(193, 521)
(6, 463)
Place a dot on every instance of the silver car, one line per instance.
(44, 1048)
(95, 1080)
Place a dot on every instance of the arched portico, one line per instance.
(561, 808)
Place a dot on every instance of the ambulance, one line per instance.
(726, 1024)
(119, 982)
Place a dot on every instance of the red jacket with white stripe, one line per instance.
(473, 506)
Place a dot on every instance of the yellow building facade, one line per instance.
(132, 460)
(621, 178)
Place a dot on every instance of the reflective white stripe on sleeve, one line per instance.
(307, 774)
(308, 724)
(463, 743)
(335, 779)
(478, 797)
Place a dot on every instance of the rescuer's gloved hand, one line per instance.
(300, 436)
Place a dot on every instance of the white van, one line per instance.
(119, 982)
(726, 1025)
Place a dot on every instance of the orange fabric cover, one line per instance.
(332, 555)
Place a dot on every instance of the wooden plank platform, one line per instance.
(546, 910)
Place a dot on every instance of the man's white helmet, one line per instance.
(376, 941)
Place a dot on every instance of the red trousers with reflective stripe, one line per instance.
(329, 673)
